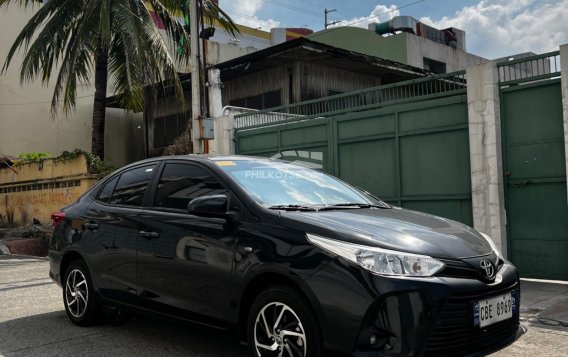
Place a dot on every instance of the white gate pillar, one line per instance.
(484, 113)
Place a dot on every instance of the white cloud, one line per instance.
(243, 12)
(505, 27)
(380, 13)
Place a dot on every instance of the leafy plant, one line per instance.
(31, 157)
(95, 165)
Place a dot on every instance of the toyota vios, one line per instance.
(300, 261)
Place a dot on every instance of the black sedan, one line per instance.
(298, 260)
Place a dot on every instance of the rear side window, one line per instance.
(106, 193)
(180, 183)
(132, 185)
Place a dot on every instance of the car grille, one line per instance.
(454, 333)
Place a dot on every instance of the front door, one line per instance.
(185, 261)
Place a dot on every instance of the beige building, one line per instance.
(26, 124)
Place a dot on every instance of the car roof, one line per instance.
(199, 158)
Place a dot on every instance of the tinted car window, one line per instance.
(106, 192)
(180, 183)
(132, 185)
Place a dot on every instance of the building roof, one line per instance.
(309, 51)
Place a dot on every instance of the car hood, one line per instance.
(394, 228)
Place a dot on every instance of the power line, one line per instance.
(270, 22)
(368, 17)
(305, 2)
(294, 8)
(384, 13)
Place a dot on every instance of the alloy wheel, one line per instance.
(76, 293)
(278, 332)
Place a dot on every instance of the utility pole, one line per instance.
(195, 80)
(326, 24)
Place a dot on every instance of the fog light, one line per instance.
(372, 339)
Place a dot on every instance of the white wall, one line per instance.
(25, 121)
(26, 124)
(455, 59)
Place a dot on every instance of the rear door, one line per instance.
(112, 225)
(185, 261)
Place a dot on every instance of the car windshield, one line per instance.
(277, 183)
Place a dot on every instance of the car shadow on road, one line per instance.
(52, 334)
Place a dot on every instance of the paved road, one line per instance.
(33, 323)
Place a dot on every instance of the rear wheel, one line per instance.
(78, 295)
(281, 324)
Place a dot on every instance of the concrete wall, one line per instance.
(36, 190)
(363, 41)
(26, 124)
(487, 191)
(455, 59)
(25, 121)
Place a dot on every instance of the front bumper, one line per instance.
(369, 315)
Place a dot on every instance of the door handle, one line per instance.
(149, 234)
(521, 184)
(91, 225)
(245, 250)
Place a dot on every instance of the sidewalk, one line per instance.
(544, 302)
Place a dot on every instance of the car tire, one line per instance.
(78, 295)
(292, 327)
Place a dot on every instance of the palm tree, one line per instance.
(117, 39)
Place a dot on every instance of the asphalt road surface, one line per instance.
(33, 323)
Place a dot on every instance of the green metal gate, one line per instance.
(535, 166)
(406, 143)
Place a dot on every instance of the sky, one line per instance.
(494, 28)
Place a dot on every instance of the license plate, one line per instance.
(490, 311)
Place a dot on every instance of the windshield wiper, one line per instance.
(293, 208)
(352, 205)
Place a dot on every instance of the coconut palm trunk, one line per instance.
(99, 105)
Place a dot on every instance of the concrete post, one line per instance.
(486, 152)
(223, 142)
(564, 86)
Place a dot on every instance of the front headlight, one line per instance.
(380, 261)
(492, 244)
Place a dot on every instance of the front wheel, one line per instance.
(281, 324)
(78, 295)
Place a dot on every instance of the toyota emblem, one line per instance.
(488, 268)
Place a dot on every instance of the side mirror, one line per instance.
(209, 206)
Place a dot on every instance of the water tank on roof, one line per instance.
(398, 23)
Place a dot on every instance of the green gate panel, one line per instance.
(415, 155)
(433, 117)
(369, 126)
(535, 175)
(375, 173)
(458, 210)
(539, 160)
(533, 114)
(435, 164)
(539, 211)
(257, 143)
(303, 136)
(537, 260)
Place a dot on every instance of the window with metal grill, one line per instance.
(262, 101)
(168, 128)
